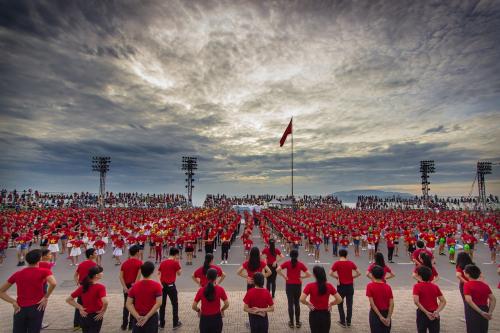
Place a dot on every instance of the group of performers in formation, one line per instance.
(172, 238)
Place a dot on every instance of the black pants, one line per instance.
(209, 248)
(293, 295)
(150, 326)
(211, 324)
(320, 321)
(28, 320)
(171, 291)
(346, 291)
(474, 322)
(376, 326)
(390, 252)
(425, 325)
(335, 248)
(271, 280)
(376, 247)
(89, 324)
(128, 319)
(77, 317)
(258, 324)
(225, 251)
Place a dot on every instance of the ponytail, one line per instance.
(209, 257)
(294, 254)
(87, 281)
(320, 275)
(272, 247)
(209, 292)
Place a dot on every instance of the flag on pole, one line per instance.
(285, 135)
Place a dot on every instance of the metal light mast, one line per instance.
(101, 164)
(426, 168)
(483, 168)
(189, 164)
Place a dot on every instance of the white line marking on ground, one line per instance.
(230, 264)
(319, 263)
(406, 263)
(449, 281)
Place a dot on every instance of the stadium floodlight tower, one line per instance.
(101, 164)
(426, 168)
(483, 168)
(189, 164)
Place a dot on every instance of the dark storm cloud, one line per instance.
(374, 87)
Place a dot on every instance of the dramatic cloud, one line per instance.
(373, 86)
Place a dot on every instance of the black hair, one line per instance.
(174, 251)
(343, 253)
(420, 244)
(425, 273)
(147, 269)
(463, 259)
(426, 260)
(44, 252)
(254, 259)
(89, 253)
(209, 292)
(320, 276)
(206, 264)
(258, 279)
(33, 257)
(473, 271)
(377, 272)
(133, 250)
(93, 271)
(294, 254)
(272, 247)
(379, 259)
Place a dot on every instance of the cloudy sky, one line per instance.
(373, 86)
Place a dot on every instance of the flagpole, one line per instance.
(292, 160)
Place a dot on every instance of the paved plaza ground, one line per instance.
(59, 314)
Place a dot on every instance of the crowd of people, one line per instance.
(32, 199)
(163, 240)
(434, 202)
(264, 200)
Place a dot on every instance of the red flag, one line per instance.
(287, 131)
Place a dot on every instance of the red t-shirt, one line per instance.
(83, 269)
(258, 298)
(145, 293)
(320, 302)
(46, 265)
(269, 257)
(344, 270)
(210, 308)
(53, 239)
(30, 285)
(203, 278)
(416, 254)
(478, 290)
(428, 294)
(130, 269)
(168, 269)
(293, 273)
(92, 299)
(381, 294)
(251, 273)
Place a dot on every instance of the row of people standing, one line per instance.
(144, 296)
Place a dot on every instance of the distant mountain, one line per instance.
(352, 196)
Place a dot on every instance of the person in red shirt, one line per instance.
(94, 301)
(225, 245)
(426, 261)
(480, 300)
(493, 244)
(451, 242)
(319, 304)
(429, 301)
(76, 251)
(168, 271)
(54, 245)
(342, 270)
(99, 245)
(29, 307)
(118, 250)
(273, 256)
(258, 302)
(381, 300)
(253, 265)
(200, 275)
(379, 261)
(420, 249)
(293, 279)
(210, 297)
(80, 274)
(130, 272)
(189, 244)
(144, 300)
(389, 238)
(371, 240)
